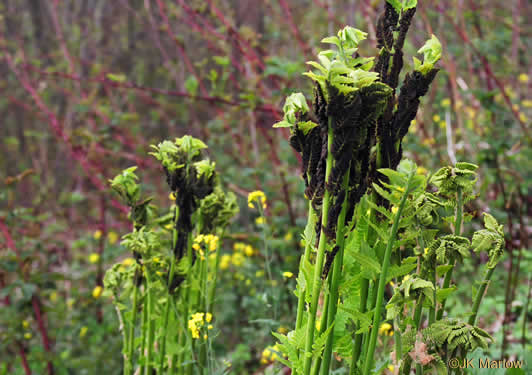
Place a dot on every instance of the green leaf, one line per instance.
(443, 293)
(367, 262)
(116, 77)
(306, 126)
(191, 85)
(431, 51)
(409, 4)
(331, 40)
(396, 5)
(282, 124)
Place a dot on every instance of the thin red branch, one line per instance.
(293, 27)
(489, 72)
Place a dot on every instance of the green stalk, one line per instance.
(382, 280)
(212, 290)
(480, 295)
(323, 327)
(203, 307)
(189, 303)
(457, 231)
(417, 321)
(332, 307)
(169, 295)
(364, 291)
(123, 330)
(304, 259)
(144, 331)
(357, 345)
(149, 349)
(397, 340)
(316, 287)
(129, 367)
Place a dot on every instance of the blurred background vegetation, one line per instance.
(88, 85)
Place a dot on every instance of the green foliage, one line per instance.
(490, 240)
(431, 51)
(125, 184)
(339, 68)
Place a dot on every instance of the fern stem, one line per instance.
(304, 259)
(457, 232)
(129, 366)
(382, 279)
(336, 271)
(149, 348)
(322, 328)
(480, 295)
(169, 294)
(316, 287)
(417, 322)
(357, 345)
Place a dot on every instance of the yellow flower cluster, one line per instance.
(211, 244)
(386, 329)
(26, 325)
(94, 258)
(97, 291)
(257, 196)
(197, 321)
(240, 247)
(83, 331)
(269, 354)
(240, 252)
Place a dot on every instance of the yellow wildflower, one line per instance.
(426, 250)
(25, 324)
(249, 251)
(385, 329)
(112, 237)
(128, 262)
(97, 291)
(260, 220)
(28, 335)
(210, 326)
(395, 209)
(288, 236)
(287, 274)
(527, 103)
(225, 261)
(196, 247)
(94, 258)
(53, 296)
(318, 324)
(208, 317)
(421, 170)
(523, 78)
(257, 196)
(406, 278)
(391, 368)
(83, 331)
(282, 330)
(445, 102)
(436, 118)
(171, 196)
(523, 117)
(442, 124)
(259, 273)
(237, 259)
(97, 235)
